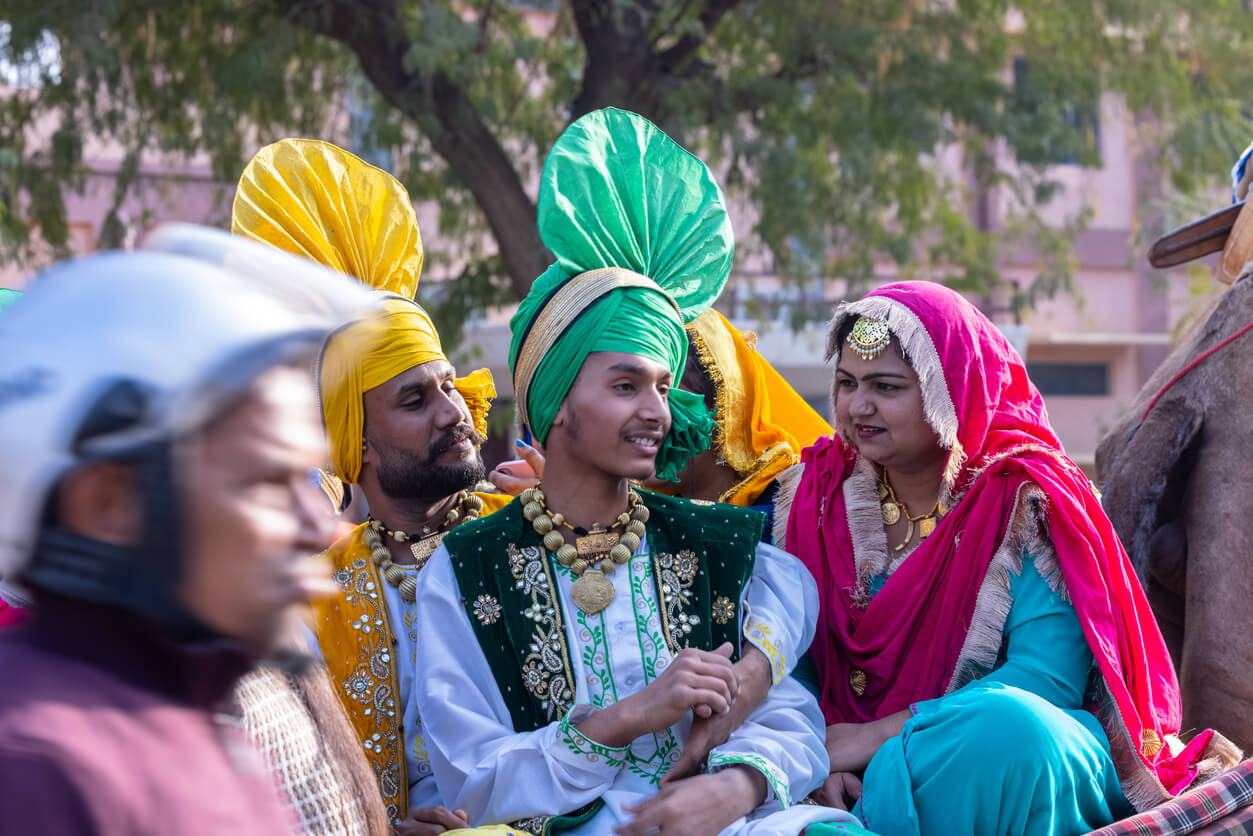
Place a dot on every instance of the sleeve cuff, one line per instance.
(758, 633)
(573, 746)
(776, 781)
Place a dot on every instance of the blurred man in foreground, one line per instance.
(158, 425)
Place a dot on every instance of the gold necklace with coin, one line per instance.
(466, 506)
(595, 553)
(893, 509)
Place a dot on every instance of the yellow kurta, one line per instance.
(355, 636)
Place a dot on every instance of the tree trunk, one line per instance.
(622, 69)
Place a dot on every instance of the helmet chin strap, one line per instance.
(142, 578)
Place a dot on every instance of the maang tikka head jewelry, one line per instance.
(869, 337)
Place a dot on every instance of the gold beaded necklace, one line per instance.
(893, 509)
(466, 507)
(595, 553)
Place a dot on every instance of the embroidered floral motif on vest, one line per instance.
(675, 575)
(546, 670)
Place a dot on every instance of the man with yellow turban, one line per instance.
(401, 427)
(570, 641)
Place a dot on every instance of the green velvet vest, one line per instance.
(703, 554)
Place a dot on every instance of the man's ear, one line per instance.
(102, 501)
(559, 420)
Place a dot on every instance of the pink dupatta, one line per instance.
(908, 638)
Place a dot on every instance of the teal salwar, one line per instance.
(1014, 752)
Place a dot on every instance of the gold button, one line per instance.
(857, 681)
(1150, 742)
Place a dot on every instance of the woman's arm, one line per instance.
(1046, 651)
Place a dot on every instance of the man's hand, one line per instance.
(514, 477)
(431, 821)
(699, 681)
(755, 676)
(841, 790)
(703, 805)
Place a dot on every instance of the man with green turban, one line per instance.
(575, 641)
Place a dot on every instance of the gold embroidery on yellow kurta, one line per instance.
(355, 636)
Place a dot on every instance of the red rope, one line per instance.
(1192, 366)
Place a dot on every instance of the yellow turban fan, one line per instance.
(316, 200)
(763, 424)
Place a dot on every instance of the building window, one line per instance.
(1059, 127)
(1085, 379)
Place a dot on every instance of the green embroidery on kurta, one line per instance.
(602, 689)
(529, 657)
(774, 776)
(647, 622)
(588, 748)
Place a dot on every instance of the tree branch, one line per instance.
(710, 16)
(375, 31)
(483, 22)
(622, 67)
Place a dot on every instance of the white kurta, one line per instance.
(422, 790)
(498, 775)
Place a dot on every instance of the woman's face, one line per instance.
(878, 406)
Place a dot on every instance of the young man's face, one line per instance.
(420, 442)
(251, 516)
(616, 415)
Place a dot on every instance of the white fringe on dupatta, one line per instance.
(982, 646)
(788, 481)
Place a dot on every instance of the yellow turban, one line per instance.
(311, 198)
(371, 353)
(763, 424)
(316, 200)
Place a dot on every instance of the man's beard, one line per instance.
(405, 474)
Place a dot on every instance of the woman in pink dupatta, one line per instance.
(986, 659)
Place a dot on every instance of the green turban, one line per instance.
(643, 245)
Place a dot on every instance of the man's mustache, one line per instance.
(450, 439)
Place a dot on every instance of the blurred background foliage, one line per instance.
(825, 119)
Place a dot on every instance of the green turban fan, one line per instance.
(616, 192)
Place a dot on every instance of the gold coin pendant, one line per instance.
(891, 513)
(592, 591)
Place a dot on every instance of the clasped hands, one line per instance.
(706, 684)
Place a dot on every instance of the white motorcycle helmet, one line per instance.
(117, 356)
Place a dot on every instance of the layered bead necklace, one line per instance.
(595, 553)
(893, 510)
(466, 506)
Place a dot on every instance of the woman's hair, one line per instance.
(696, 378)
(841, 333)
